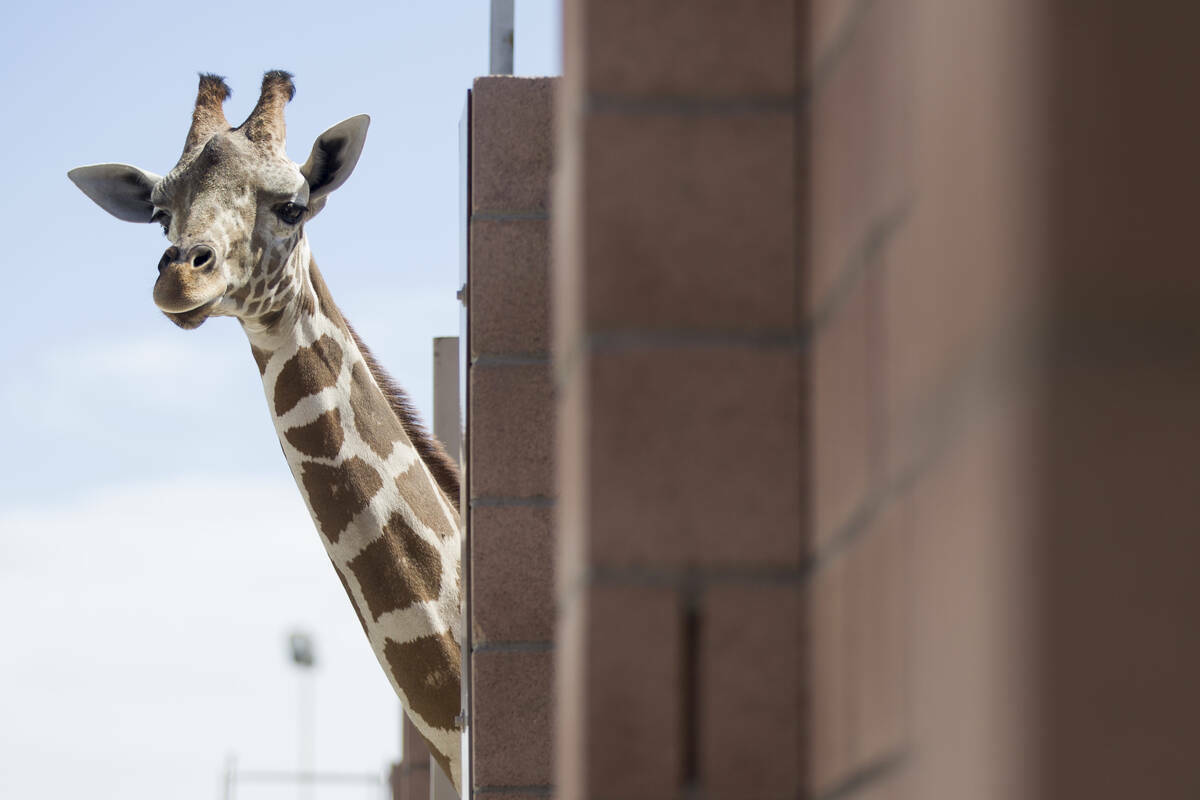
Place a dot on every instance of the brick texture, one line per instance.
(512, 430)
(860, 157)
(1118, 644)
(751, 631)
(670, 435)
(860, 651)
(510, 470)
(917, 299)
(958, 274)
(512, 586)
(827, 24)
(844, 413)
(683, 401)
(509, 260)
(1125, 576)
(511, 713)
(511, 149)
(875, 346)
(970, 636)
(688, 48)
(634, 663)
(409, 779)
(725, 262)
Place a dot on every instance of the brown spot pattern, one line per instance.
(261, 357)
(312, 369)
(374, 419)
(397, 569)
(427, 670)
(418, 489)
(321, 438)
(338, 493)
(240, 294)
(350, 594)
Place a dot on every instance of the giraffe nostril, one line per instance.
(203, 258)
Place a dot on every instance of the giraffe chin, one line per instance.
(189, 320)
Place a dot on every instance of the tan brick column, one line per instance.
(876, 340)
(510, 433)
(923, 229)
(1004, 353)
(1118, 508)
(409, 779)
(680, 351)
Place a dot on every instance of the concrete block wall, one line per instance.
(409, 779)
(875, 341)
(865, 457)
(510, 470)
(679, 345)
(1118, 508)
(997, 521)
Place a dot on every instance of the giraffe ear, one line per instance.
(334, 155)
(119, 189)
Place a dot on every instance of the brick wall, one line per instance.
(875, 333)
(409, 779)
(683, 437)
(510, 433)
(922, 226)
(1118, 647)
(997, 198)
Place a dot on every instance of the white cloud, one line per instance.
(144, 640)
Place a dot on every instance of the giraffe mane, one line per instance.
(429, 448)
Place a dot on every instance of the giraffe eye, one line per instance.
(290, 213)
(162, 218)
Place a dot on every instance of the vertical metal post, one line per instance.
(230, 777)
(308, 731)
(464, 363)
(303, 656)
(501, 53)
(447, 411)
(440, 787)
(447, 426)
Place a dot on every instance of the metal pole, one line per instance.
(447, 426)
(501, 52)
(447, 421)
(308, 742)
(463, 362)
(304, 657)
(230, 776)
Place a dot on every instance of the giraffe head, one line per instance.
(233, 208)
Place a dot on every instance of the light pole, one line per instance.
(304, 657)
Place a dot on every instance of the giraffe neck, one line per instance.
(389, 530)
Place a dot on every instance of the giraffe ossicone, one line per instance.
(381, 490)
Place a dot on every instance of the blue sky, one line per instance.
(153, 548)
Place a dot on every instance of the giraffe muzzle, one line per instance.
(188, 282)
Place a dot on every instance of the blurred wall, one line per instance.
(876, 346)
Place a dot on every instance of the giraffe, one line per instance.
(382, 492)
